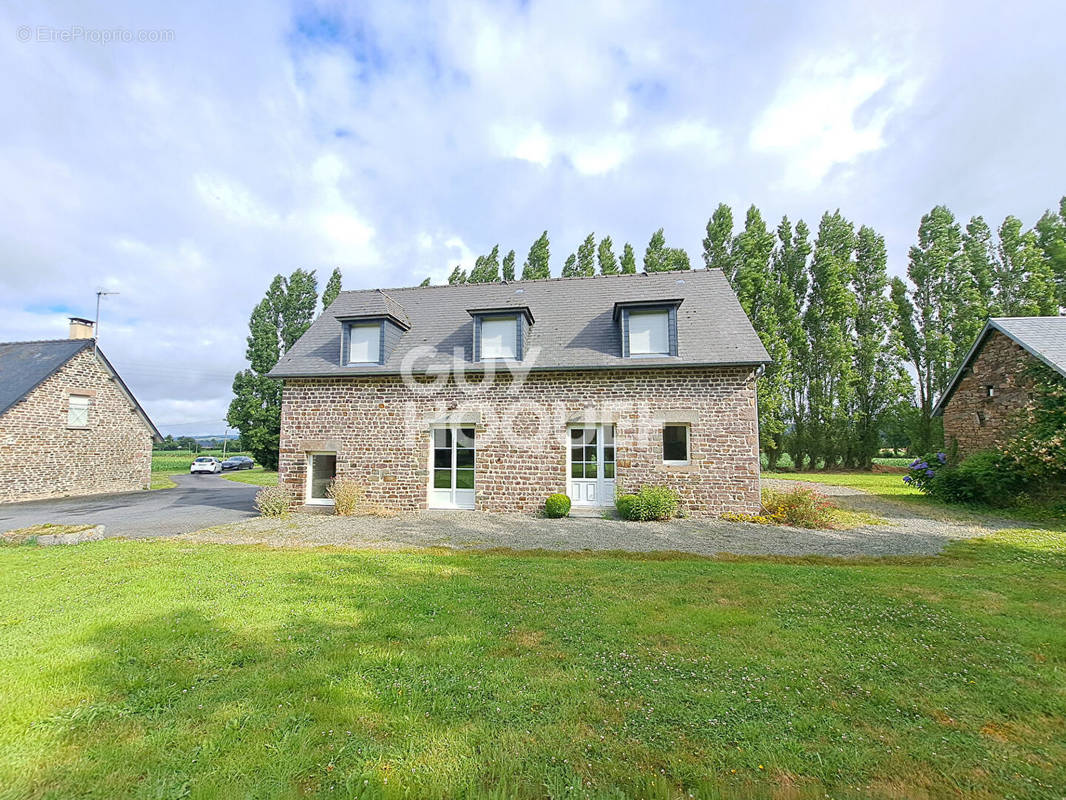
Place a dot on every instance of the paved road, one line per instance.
(199, 501)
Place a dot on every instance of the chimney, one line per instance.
(81, 328)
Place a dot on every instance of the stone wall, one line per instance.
(975, 421)
(41, 457)
(380, 430)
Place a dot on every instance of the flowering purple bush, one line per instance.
(922, 471)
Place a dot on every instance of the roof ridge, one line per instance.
(45, 341)
(642, 273)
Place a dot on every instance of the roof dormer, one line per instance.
(648, 328)
(501, 333)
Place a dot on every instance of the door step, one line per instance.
(591, 511)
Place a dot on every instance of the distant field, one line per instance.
(786, 463)
(169, 461)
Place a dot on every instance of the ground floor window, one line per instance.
(321, 470)
(452, 468)
(675, 444)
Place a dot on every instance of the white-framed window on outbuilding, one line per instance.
(675, 445)
(78, 411)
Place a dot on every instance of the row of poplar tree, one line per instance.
(859, 359)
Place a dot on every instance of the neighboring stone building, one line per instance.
(984, 402)
(68, 424)
(493, 396)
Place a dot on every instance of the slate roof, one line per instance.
(574, 326)
(1043, 337)
(26, 365)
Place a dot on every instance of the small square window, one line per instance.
(649, 333)
(364, 344)
(78, 412)
(499, 337)
(991, 390)
(675, 444)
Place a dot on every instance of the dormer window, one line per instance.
(500, 333)
(499, 337)
(648, 329)
(364, 343)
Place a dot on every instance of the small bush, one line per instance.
(347, 495)
(650, 503)
(987, 478)
(800, 508)
(273, 501)
(556, 506)
(922, 471)
(625, 503)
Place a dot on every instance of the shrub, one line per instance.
(650, 503)
(347, 495)
(273, 501)
(985, 478)
(800, 508)
(625, 503)
(922, 471)
(556, 506)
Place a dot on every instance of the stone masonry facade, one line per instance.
(380, 429)
(974, 420)
(40, 457)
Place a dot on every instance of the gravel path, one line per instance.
(905, 532)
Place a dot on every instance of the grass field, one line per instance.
(785, 462)
(177, 461)
(257, 476)
(163, 669)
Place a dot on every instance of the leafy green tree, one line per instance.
(508, 266)
(718, 244)
(629, 260)
(605, 255)
(570, 266)
(925, 316)
(827, 321)
(1051, 239)
(1025, 283)
(791, 281)
(971, 285)
(751, 253)
(878, 375)
(333, 288)
(486, 268)
(424, 283)
(655, 254)
(537, 265)
(676, 258)
(277, 321)
(586, 256)
(458, 275)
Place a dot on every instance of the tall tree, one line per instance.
(718, 244)
(605, 255)
(791, 281)
(1025, 283)
(570, 266)
(425, 282)
(333, 288)
(878, 376)
(537, 265)
(971, 286)
(586, 256)
(508, 266)
(751, 253)
(925, 317)
(486, 268)
(676, 258)
(458, 275)
(1051, 239)
(655, 253)
(629, 259)
(277, 321)
(827, 321)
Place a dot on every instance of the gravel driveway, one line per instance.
(905, 533)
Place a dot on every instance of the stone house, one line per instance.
(494, 396)
(68, 424)
(983, 405)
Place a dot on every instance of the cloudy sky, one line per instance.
(396, 140)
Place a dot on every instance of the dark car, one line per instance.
(238, 462)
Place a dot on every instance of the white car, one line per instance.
(205, 464)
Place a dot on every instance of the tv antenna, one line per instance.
(96, 324)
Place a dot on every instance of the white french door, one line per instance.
(451, 480)
(590, 465)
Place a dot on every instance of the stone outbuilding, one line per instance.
(68, 423)
(493, 396)
(984, 403)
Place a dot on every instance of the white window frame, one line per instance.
(688, 445)
(318, 501)
(664, 314)
(368, 326)
(84, 402)
(512, 323)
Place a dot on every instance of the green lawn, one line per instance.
(170, 670)
(257, 476)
